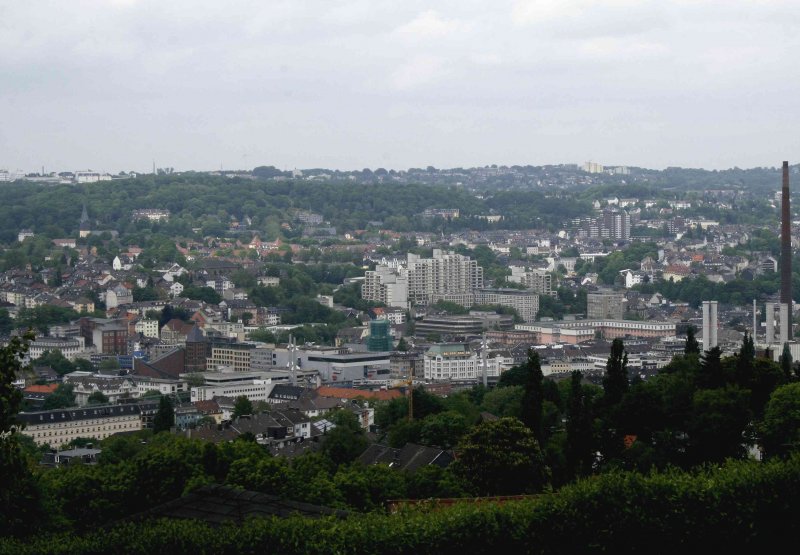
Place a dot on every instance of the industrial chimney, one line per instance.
(786, 241)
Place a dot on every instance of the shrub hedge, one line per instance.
(740, 505)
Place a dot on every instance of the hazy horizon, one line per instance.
(113, 85)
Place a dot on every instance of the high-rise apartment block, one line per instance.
(424, 280)
(386, 285)
(444, 273)
(525, 303)
(616, 224)
(605, 306)
(537, 280)
(611, 224)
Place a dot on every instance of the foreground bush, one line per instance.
(739, 505)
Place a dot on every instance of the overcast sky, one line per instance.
(112, 85)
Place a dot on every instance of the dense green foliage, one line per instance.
(165, 416)
(211, 203)
(698, 410)
(20, 500)
(738, 292)
(63, 397)
(741, 505)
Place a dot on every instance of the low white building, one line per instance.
(71, 348)
(143, 384)
(253, 385)
(148, 328)
(459, 362)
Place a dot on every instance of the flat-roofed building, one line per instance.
(256, 386)
(233, 355)
(347, 367)
(456, 361)
(525, 303)
(605, 305)
(578, 331)
(71, 348)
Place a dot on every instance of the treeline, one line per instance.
(738, 506)
(695, 290)
(210, 203)
(136, 472)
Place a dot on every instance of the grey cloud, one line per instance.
(111, 85)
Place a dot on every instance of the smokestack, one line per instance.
(710, 325)
(786, 240)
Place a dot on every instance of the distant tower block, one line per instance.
(770, 320)
(786, 240)
(710, 325)
(785, 323)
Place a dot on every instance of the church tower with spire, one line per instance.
(85, 227)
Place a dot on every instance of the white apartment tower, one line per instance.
(540, 281)
(444, 274)
(387, 286)
(424, 280)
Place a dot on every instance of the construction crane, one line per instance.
(484, 354)
(410, 384)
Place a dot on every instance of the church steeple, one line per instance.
(85, 227)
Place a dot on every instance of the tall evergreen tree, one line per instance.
(710, 373)
(533, 396)
(745, 367)
(692, 346)
(615, 386)
(167, 314)
(615, 381)
(165, 417)
(786, 361)
(579, 448)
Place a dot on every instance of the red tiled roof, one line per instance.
(49, 388)
(207, 407)
(347, 393)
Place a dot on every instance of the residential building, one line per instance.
(443, 273)
(424, 280)
(148, 328)
(538, 280)
(605, 305)
(84, 384)
(118, 296)
(152, 214)
(446, 213)
(524, 302)
(59, 427)
(71, 348)
(386, 285)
